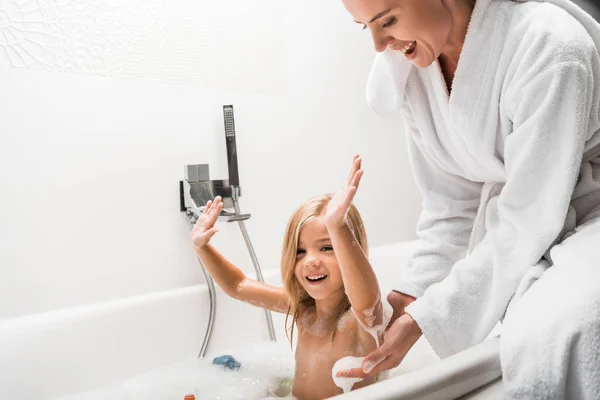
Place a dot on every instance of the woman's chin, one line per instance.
(422, 62)
(422, 57)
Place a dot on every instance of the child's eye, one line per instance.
(300, 252)
(326, 248)
(391, 22)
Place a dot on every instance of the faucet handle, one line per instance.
(196, 172)
(224, 216)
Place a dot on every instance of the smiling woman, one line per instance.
(501, 101)
(423, 28)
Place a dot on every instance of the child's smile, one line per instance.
(317, 267)
(316, 279)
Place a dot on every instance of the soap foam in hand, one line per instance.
(343, 364)
(349, 362)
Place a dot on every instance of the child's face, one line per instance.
(317, 267)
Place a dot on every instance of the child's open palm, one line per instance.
(340, 203)
(205, 228)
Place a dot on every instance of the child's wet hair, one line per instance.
(307, 212)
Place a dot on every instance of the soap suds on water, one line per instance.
(267, 373)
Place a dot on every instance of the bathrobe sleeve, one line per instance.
(549, 105)
(449, 208)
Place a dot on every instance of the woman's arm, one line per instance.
(227, 276)
(550, 110)
(359, 279)
(449, 208)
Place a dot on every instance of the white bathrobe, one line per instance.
(508, 165)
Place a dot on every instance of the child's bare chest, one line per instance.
(315, 357)
(314, 361)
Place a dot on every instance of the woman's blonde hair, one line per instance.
(307, 212)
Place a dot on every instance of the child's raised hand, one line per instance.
(339, 205)
(205, 228)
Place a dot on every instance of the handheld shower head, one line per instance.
(195, 192)
(234, 177)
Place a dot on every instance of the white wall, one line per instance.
(103, 102)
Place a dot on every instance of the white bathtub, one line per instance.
(50, 355)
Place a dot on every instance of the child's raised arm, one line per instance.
(230, 278)
(359, 279)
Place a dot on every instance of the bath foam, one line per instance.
(344, 321)
(369, 315)
(267, 371)
(319, 328)
(350, 362)
(343, 364)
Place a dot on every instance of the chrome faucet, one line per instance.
(197, 189)
(195, 192)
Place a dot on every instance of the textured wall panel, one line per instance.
(232, 44)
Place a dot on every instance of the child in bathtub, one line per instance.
(330, 290)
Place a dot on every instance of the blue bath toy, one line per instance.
(227, 361)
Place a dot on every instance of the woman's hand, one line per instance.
(205, 228)
(398, 340)
(338, 206)
(398, 301)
